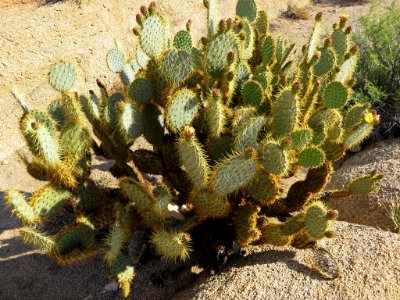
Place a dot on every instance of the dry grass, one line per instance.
(296, 13)
(394, 213)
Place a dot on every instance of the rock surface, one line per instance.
(369, 259)
(369, 210)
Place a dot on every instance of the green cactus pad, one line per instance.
(246, 9)
(335, 95)
(75, 140)
(153, 124)
(128, 74)
(365, 184)
(245, 222)
(301, 138)
(110, 113)
(171, 245)
(262, 22)
(340, 44)
(216, 58)
(333, 150)
(45, 119)
(271, 233)
(316, 220)
(130, 121)
(91, 108)
(252, 93)
(141, 90)
(323, 120)
(215, 116)
(357, 136)
(67, 240)
(194, 160)
(209, 205)
(136, 193)
(62, 76)
(249, 41)
(241, 119)
(326, 63)
(294, 224)
(177, 65)
(181, 109)
(116, 60)
(183, 41)
(232, 174)
(243, 72)
(122, 271)
(354, 117)
(248, 137)
(285, 114)
(55, 110)
(311, 158)
(40, 140)
(264, 187)
(31, 236)
(152, 37)
(275, 160)
(314, 40)
(268, 50)
(141, 57)
(19, 206)
(347, 69)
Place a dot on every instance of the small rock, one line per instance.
(111, 287)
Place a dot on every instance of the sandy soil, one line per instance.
(32, 36)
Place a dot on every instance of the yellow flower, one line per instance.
(369, 118)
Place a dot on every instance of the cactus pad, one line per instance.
(264, 187)
(248, 137)
(177, 65)
(268, 51)
(171, 245)
(301, 138)
(275, 159)
(252, 93)
(152, 37)
(62, 76)
(285, 114)
(141, 90)
(335, 95)
(232, 174)
(311, 158)
(316, 220)
(181, 109)
(246, 9)
(326, 63)
(116, 60)
(207, 204)
(183, 41)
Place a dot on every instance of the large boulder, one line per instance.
(369, 210)
(368, 257)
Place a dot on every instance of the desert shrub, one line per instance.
(378, 72)
(295, 12)
(228, 119)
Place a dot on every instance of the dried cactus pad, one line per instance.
(62, 76)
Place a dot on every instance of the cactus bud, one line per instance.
(335, 26)
(216, 92)
(352, 81)
(152, 7)
(230, 75)
(250, 152)
(303, 48)
(348, 30)
(119, 104)
(136, 31)
(286, 142)
(231, 57)
(318, 17)
(240, 26)
(206, 3)
(91, 92)
(143, 10)
(229, 23)
(317, 55)
(222, 26)
(34, 125)
(242, 36)
(355, 49)
(188, 132)
(99, 84)
(204, 40)
(297, 87)
(189, 25)
(140, 19)
(328, 42)
(318, 84)
(330, 234)
(367, 105)
(347, 56)
(344, 19)
(333, 214)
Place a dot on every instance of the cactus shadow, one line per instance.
(270, 257)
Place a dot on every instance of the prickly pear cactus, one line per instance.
(228, 119)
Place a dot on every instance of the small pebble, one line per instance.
(111, 287)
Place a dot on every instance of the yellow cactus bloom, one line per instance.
(369, 118)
